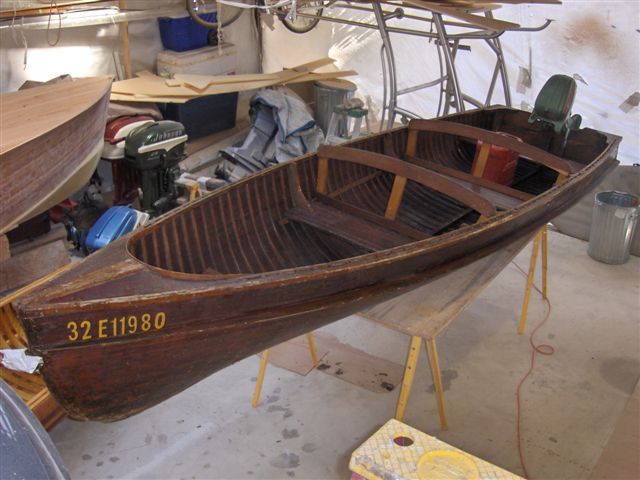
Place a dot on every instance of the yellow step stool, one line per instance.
(401, 452)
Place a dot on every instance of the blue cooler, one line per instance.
(182, 34)
(114, 223)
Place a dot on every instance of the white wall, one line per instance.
(597, 40)
(87, 51)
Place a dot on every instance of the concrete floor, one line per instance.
(307, 427)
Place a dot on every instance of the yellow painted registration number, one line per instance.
(115, 327)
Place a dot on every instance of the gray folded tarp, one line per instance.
(281, 129)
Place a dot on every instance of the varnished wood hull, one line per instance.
(60, 155)
(425, 312)
(248, 276)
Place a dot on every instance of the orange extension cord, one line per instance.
(542, 349)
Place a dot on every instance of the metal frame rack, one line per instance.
(447, 43)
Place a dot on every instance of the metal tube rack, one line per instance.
(448, 44)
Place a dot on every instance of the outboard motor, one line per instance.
(155, 150)
(553, 106)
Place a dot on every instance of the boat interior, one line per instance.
(373, 194)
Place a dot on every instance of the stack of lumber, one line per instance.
(182, 88)
(468, 10)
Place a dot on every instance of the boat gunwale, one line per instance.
(221, 284)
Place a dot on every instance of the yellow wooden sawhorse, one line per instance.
(264, 359)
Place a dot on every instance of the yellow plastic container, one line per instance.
(401, 452)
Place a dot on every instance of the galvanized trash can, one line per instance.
(614, 219)
(329, 94)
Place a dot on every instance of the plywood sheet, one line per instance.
(295, 356)
(357, 366)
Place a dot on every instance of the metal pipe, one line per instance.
(452, 77)
(432, 83)
(391, 63)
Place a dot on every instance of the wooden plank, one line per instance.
(310, 66)
(461, 14)
(201, 82)
(155, 89)
(124, 39)
(312, 77)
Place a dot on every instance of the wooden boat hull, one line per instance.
(426, 311)
(135, 324)
(64, 126)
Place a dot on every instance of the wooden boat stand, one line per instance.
(539, 243)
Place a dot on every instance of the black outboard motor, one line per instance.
(155, 150)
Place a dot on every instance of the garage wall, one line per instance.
(86, 51)
(596, 41)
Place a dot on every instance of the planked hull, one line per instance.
(244, 269)
(426, 312)
(51, 140)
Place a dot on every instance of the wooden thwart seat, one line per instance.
(349, 227)
(365, 228)
(560, 165)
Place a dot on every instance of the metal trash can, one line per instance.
(614, 219)
(328, 94)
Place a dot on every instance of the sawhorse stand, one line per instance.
(264, 359)
(539, 243)
(409, 372)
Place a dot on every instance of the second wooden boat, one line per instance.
(50, 142)
(293, 248)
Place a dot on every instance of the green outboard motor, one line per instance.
(553, 105)
(155, 150)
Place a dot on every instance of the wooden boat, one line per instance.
(293, 248)
(50, 142)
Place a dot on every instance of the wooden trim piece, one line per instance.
(533, 153)
(481, 162)
(323, 174)
(124, 38)
(412, 172)
(412, 142)
(395, 198)
(299, 200)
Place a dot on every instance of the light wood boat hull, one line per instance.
(244, 269)
(50, 137)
